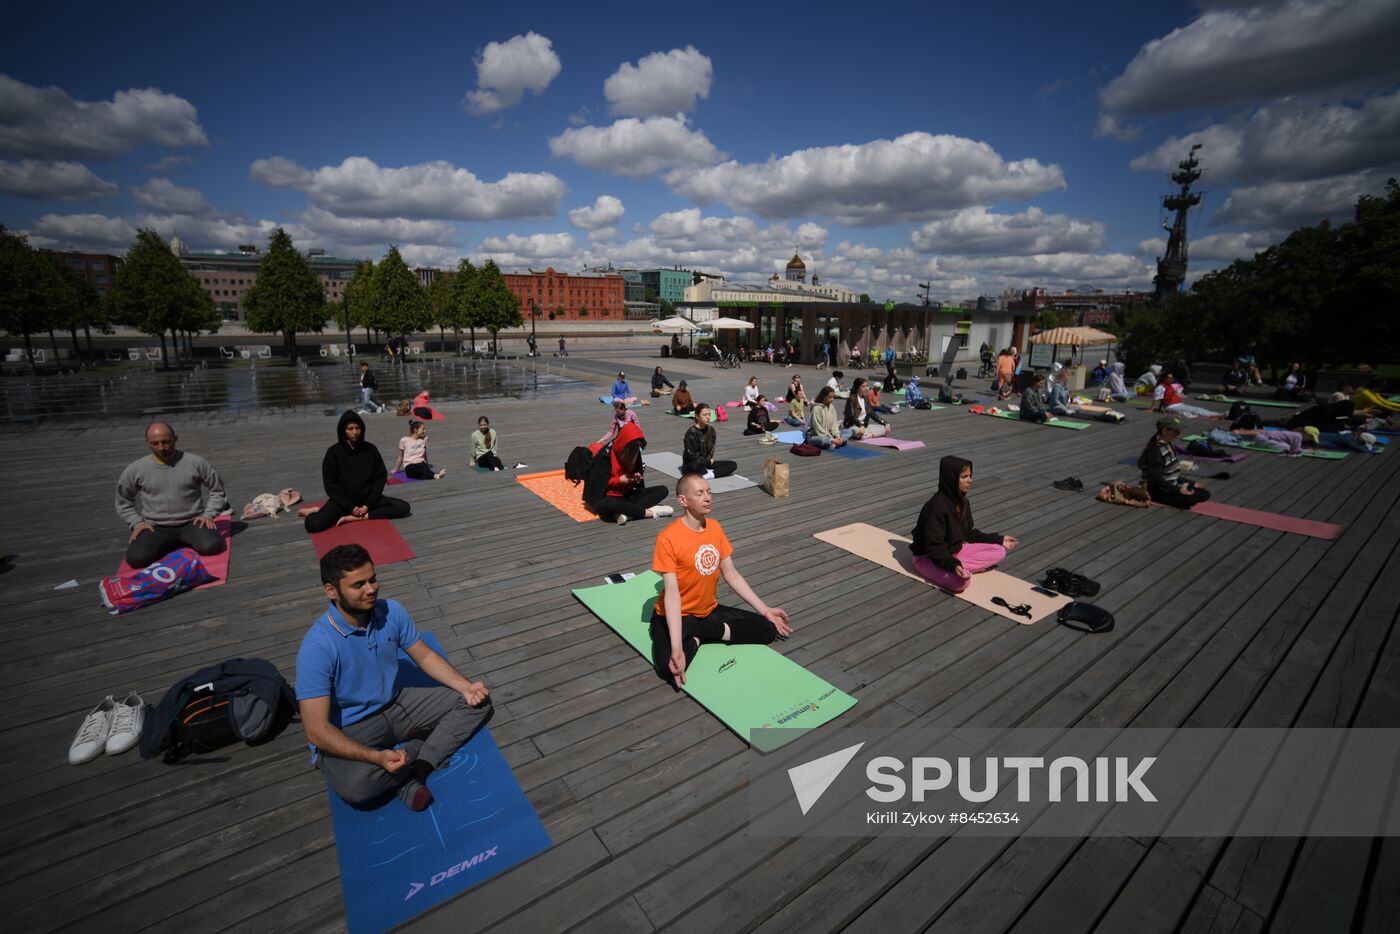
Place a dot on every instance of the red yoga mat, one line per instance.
(378, 536)
(1268, 520)
(217, 565)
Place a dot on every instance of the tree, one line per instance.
(287, 296)
(667, 309)
(494, 305)
(400, 304)
(864, 298)
(155, 294)
(358, 304)
(21, 281)
(463, 313)
(440, 300)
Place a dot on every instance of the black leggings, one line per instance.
(150, 546)
(420, 471)
(684, 409)
(719, 468)
(634, 505)
(1171, 497)
(490, 462)
(329, 514)
(745, 628)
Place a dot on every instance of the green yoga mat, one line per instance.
(1057, 423)
(1270, 449)
(1268, 403)
(748, 687)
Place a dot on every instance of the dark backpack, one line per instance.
(805, 450)
(1085, 617)
(576, 467)
(595, 480)
(923, 404)
(1203, 449)
(242, 699)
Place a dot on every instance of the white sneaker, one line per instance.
(662, 512)
(520, 466)
(621, 519)
(126, 724)
(709, 475)
(92, 735)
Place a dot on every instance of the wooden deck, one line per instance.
(641, 789)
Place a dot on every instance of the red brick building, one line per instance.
(587, 295)
(99, 269)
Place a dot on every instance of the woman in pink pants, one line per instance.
(947, 549)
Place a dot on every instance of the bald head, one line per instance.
(687, 483)
(160, 438)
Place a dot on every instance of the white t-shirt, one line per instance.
(750, 394)
(415, 450)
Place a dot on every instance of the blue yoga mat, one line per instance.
(607, 400)
(851, 452)
(790, 437)
(395, 864)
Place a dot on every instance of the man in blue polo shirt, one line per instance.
(346, 670)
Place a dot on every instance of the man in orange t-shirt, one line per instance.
(691, 554)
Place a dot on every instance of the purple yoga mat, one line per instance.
(897, 444)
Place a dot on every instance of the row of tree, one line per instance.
(155, 294)
(1323, 297)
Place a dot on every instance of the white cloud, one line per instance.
(48, 123)
(1292, 140)
(427, 255)
(506, 70)
(86, 231)
(1216, 248)
(1249, 52)
(660, 84)
(1109, 127)
(979, 231)
(358, 187)
(325, 226)
(61, 181)
(606, 210)
(161, 194)
(580, 116)
(913, 177)
(1288, 205)
(636, 147)
(166, 164)
(535, 251)
(603, 235)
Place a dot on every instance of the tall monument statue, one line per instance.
(1171, 268)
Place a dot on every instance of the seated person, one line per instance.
(413, 454)
(626, 496)
(1167, 398)
(859, 420)
(1099, 373)
(484, 453)
(1059, 400)
(892, 381)
(660, 385)
(698, 451)
(622, 415)
(169, 500)
(423, 405)
(621, 392)
(912, 393)
(1147, 382)
(797, 411)
(758, 420)
(1113, 386)
(345, 689)
(825, 432)
(354, 476)
(691, 555)
(872, 399)
(795, 390)
(682, 403)
(1033, 401)
(1161, 469)
(751, 391)
(1294, 384)
(835, 381)
(1235, 379)
(1246, 362)
(947, 549)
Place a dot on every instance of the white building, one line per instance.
(791, 288)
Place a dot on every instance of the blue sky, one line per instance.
(979, 146)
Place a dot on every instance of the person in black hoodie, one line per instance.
(354, 477)
(699, 448)
(947, 549)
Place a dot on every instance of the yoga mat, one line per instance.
(217, 565)
(1267, 403)
(892, 551)
(396, 478)
(790, 437)
(1057, 423)
(689, 415)
(851, 452)
(748, 687)
(1268, 520)
(436, 416)
(395, 864)
(1266, 449)
(378, 536)
(607, 400)
(897, 444)
(669, 463)
(562, 494)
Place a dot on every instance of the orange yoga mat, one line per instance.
(560, 493)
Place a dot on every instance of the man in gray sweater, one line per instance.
(169, 500)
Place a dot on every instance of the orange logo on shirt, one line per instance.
(707, 559)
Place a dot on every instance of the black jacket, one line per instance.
(942, 528)
(852, 418)
(262, 695)
(698, 453)
(367, 380)
(353, 476)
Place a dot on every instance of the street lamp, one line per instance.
(925, 287)
(534, 313)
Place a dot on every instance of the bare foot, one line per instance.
(305, 511)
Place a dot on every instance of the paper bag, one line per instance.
(775, 478)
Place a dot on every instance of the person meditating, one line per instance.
(169, 500)
(691, 554)
(621, 392)
(682, 403)
(758, 421)
(947, 548)
(859, 420)
(660, 385)
(627, 496)
(354, 476)
(1161, 469)
(413, 454)
(484, 453)
(699, 448)
(345, 690)
(826, 432)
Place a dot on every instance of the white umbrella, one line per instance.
(728, 324)
(675, 324)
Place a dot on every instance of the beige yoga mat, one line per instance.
(892, 551)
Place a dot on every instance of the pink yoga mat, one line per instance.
(1268, 520)
(216, 565)
(897, 444)
(378, 536)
